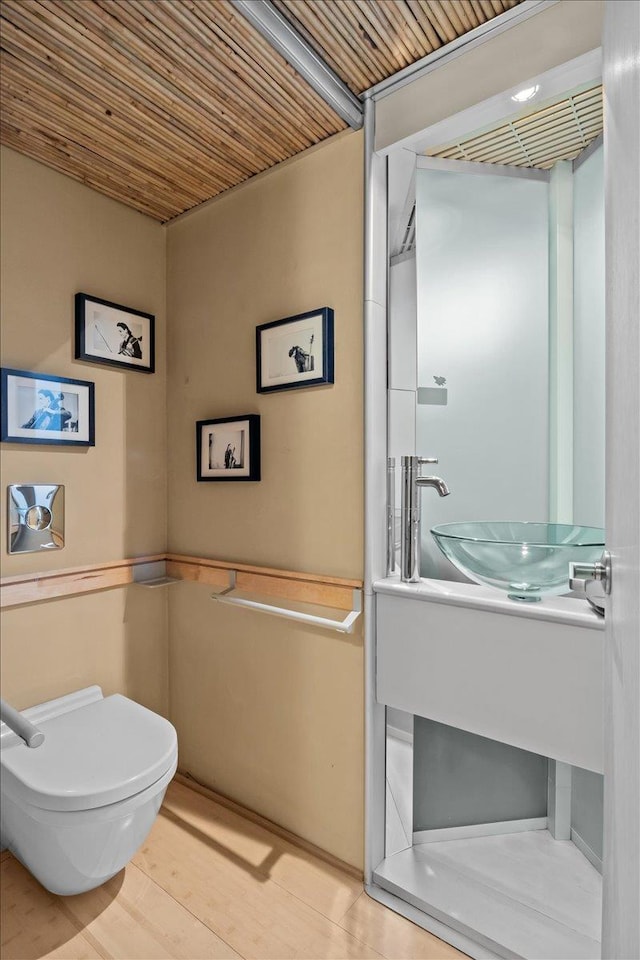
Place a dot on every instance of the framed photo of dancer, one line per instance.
(111, 334)
(41, 408)
(228, 448)
(295, 352)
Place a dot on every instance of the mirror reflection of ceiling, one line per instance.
(163, 105)
(540, 138)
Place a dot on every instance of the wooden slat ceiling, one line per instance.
(366, 41)
(163, 104)
(559, 131)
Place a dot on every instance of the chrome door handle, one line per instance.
(583, 575)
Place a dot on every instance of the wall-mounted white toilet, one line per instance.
(75, 810)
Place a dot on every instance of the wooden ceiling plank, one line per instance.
(399, 37)
(371, 22)
(433, 37)
(360, 61)
(488, 9)
(545, 133)
(116, 62)
(540, 132)
(359, 34)
(185, 58)
(29, 119)
(479, 11)
(85, 170)
(294, 89)
(401, 22)
(466, 14)
(395, 29)
(144, 114)
(423, 42)
(353, 68)
(275, 81)
(539, 122)
(152, 100)
(356, 58)
(451, 14)
(505, 155)
(440, 22)
(202, 164)
(557, 143)
(97, 40)
(76, 117)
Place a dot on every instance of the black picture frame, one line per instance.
(281, 345)
(98, 339)
(41, 408)
(228, 448)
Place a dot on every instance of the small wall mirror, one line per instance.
(36, 517)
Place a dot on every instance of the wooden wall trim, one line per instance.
(51, 585)
(286, 584)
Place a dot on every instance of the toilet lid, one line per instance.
(98, 754)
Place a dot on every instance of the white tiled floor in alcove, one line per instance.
(523, 876)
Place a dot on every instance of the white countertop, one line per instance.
(568, 610)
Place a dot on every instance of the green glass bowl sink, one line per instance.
(527, 560)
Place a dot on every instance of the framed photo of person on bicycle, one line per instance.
(295, 352)
(111, 334)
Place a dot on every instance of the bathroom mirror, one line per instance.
(505, 248)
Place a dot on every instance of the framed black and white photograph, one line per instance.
(228, 448)
(41, 408)
(111, 334)
(295, 352)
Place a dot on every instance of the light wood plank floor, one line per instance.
(209, 884)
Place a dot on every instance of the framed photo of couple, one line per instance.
(111, 334)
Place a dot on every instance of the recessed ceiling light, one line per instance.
(528, 93)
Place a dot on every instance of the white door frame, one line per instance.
(621, 867)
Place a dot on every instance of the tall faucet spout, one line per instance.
(410, 514)
(436, 482)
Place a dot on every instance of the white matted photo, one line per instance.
(228, 448)
(111, 334)
(42, 408)
(295, 352)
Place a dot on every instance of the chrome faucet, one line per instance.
(410, 519)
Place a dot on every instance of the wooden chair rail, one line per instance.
(286, 584)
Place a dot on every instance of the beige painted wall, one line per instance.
(267, 712)
(58, 238)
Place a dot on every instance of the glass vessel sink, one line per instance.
(527, 560)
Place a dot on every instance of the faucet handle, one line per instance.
(427, 459)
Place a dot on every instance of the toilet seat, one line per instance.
(95, 755)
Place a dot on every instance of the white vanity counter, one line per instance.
(528, 674)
